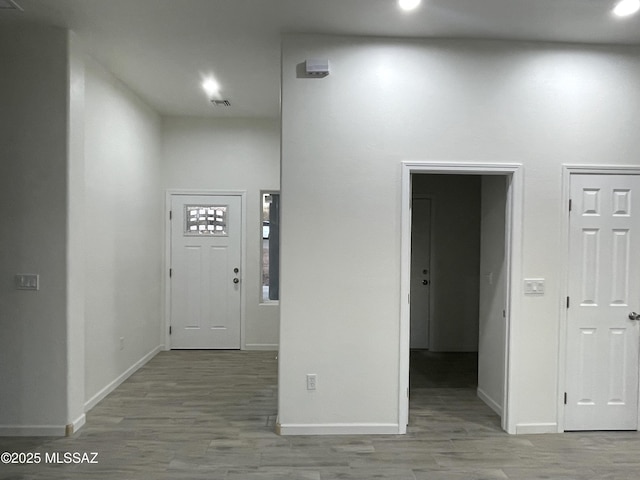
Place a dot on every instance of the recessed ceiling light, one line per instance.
(408, 5)
(210, 86)
(624, 8)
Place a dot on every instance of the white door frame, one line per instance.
(167, 258)
(567, 171)
(513, 246)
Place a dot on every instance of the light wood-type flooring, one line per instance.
(211, 415)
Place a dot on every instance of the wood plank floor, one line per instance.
(211, 414)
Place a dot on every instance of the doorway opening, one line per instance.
(459, 247)
(457, 294)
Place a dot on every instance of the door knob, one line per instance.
(236, 280)
(634, 316)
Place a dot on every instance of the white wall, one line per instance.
(75, 238)
(231, 154)
(455, 260)
(344, 137)
(491, 342)
(33, 232)
(123, 231)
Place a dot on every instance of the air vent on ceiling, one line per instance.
(9, 5)
(221, 103)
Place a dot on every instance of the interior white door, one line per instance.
(205, 278)
(604, 287)
(420, 272)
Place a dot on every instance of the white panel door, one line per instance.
(205, 271)
(604, 288)
(420, 272)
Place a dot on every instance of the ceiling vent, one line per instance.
(219, 103)
(9, 5)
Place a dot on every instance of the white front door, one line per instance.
(205, 271)
(420, 272)
(604, 287)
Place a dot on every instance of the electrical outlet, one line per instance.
(311, 381)
(28, 281)
(121, 343)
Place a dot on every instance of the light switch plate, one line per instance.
(28, 281)
(534, 286)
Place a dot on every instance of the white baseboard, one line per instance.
(339, 429)
(32, 430)
(534, 428)
(491, 403)
(42, 430)
(78, 423)
(261, 346)
(93, 401)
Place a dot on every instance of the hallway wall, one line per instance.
(493, 287)
(123, 231)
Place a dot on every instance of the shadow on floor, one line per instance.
(443, 370)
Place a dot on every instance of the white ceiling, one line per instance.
(160, 48)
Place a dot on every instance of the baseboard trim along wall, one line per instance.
(43, 430)
(338, 429)
(93, 401)
(262, 346)
(33, 430)
(491, 403)
(76, 425)
(533, 428)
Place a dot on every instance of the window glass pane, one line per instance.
(205, 220)
(270, 246)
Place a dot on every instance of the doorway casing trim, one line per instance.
(166, 314)
(567, 171)
(513, 228)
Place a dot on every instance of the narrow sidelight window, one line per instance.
(270, 246)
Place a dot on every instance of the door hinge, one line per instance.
(170, 334)
(567, 302)
(569, 204)
(170, 272)
(504, 314)
(170, 215)
(565, 398)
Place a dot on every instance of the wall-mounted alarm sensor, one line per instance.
(317, 67)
